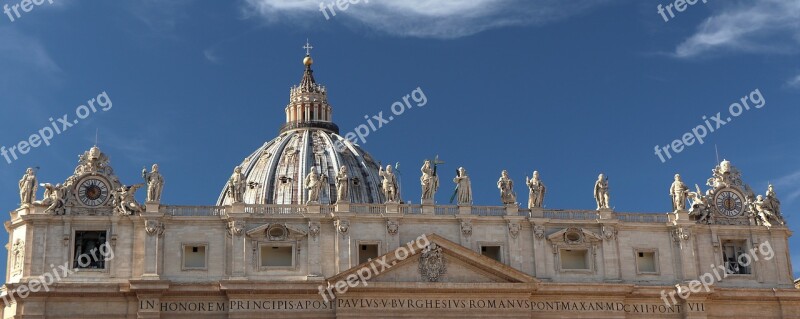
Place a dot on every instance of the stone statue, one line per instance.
(679, 192)
(54, 199)
(601, 192)
(429, 181)
(764, 213)
(314, 184)
(155, 183)
(237, 186)
(536, 191)
(700, 206)
(772, 202)
(463, 187)
(342, 185)
(389, 185)
(506, 187)
(124, 201)
(27, 188)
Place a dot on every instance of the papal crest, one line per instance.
(431, 263)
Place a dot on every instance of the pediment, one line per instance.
(574, 236)
(276, 232)
(461, 265)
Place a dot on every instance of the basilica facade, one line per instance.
(310, 226)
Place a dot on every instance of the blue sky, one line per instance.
(570, 90)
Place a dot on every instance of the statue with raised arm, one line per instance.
(124, 201)
(679, 193)
(506, 187)
(236, 186)
(342, 185)
(601, 192)
(155, 183)
(536, 191)
(389, 184)
(764, 213)
(429, 181)
(772, 202)
(314, 184)
(27, 188)
(463, 187)
(54, 198)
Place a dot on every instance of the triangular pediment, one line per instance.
(423, 264)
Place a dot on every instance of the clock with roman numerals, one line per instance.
(729, 203)
(93, 192)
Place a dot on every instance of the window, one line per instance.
(367, 252)
(194, 256)
(89, 250)
(735, 257)
(646, 261)
(574, 259)
(493, 252)
(277, 255)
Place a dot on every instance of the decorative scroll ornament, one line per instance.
(432, 264)
(392, 227)
(342, 226)
(681, 233)
(609, 232)
(154, 227)
(466, 228)
(538, 230)
(313, 229)
(236, 227)
(18, 255)
(513, 230)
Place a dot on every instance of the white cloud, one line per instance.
(794, 82)
(789, 185)
(423, 18)
(755, 26)
(210, 55)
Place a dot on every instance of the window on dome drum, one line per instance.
(277, 255)
(86, 253)
(646, 261)
(367, 251)
(194, 256)
(735, 257)
(493, 252)
(574, 259)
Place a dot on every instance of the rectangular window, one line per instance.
(194, 256)
(367, 252)
(277, 255)
(574, 259)
(493, 252)
(87, 253)
(646, 262)
(735, 257)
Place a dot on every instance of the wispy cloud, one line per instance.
(789, 185)
(771, 26)
(19, 50)
(794, 82)
(424, 18)
(210, 55)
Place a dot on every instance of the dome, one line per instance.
(275, 173)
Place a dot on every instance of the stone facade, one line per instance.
(89, 250)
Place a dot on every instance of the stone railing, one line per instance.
(376, 209)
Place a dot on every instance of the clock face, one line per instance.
(93, 192)
(729, 203)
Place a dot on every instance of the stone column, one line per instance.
(466, 232)
(154, 234)
(541, 270)
(514, 248)
(314, 250)
(611, 258)
(392, 234)
(343, 244)
(684, 240)
(236, 231)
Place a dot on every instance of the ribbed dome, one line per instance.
(276, 172)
